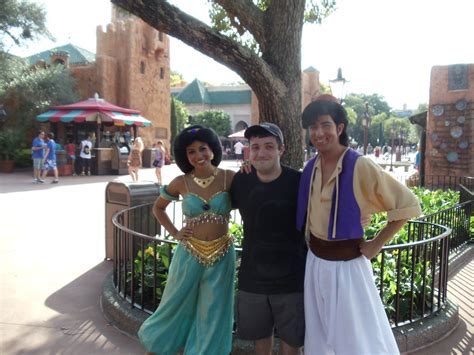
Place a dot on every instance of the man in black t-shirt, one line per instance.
(271, 274)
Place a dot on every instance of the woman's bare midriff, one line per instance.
(209, 231)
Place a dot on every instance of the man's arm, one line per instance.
(372, 247)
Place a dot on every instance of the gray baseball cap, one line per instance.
(267, 127)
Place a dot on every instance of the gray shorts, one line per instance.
(258, 314)
(38, 163)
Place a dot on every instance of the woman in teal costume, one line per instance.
(196, 310)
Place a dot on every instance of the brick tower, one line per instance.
(133, 71)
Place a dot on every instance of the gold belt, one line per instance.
(208, 252)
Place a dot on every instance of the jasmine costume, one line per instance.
(196, 310)
(343, 310)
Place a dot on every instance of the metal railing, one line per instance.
(411, 277)
(444, 182)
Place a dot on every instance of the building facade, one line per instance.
(238, 101)
(131, 68)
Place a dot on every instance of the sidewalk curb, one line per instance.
(425, 332)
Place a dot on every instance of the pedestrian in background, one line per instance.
(50, 158)
(37, 153)
(238, 149)
(86, 155)
(71, 155)
(135, 158)
(159, 160)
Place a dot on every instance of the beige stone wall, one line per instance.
(309, 87)
(449, 121)
(86, 80)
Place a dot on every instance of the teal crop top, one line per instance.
(198, 210)
(194, 205)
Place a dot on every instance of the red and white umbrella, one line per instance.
(94, 110)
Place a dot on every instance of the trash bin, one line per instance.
(148, 157)
(121, 195)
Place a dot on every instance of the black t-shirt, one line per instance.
(274, 251)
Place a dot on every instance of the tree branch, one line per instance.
(249, 16)
(171, 20)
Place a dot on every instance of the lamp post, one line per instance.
(392, 136)
(365, 123)
(337, 86)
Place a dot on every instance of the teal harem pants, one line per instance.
(196, 311)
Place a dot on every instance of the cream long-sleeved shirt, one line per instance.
(375, 191)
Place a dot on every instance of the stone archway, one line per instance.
(240, 126)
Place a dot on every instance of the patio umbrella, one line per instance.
(238, 134)
(94, 110)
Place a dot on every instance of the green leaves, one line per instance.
(218, 120)
(30, 90)
(21, 20)
(145, 264)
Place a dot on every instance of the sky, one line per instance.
(384, 47)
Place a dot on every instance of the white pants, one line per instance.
(343, 310)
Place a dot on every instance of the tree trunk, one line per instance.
(274, 76)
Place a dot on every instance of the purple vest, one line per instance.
(348, 225)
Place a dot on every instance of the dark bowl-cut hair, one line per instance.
(189, 135)
(325, 107)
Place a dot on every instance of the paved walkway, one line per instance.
(52, 268)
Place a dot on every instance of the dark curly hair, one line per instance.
(191, 134)
(326, 107)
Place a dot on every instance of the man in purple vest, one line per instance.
(343, 311)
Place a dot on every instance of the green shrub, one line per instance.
(23, 158)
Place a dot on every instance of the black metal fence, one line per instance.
(412, 277)
(444, 182)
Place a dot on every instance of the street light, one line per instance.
(366, 123)
(337, 85)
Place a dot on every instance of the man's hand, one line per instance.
(370, 248)
(246, 167)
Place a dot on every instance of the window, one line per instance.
(162, 73)
(142, 67)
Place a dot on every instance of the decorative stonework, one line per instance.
(450, 123)
(457, 77)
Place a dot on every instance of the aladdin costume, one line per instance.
(343, 310)
(196, 310)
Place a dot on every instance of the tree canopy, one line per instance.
(20, 21)
(26, 91)
(218, 120)
(260, 40)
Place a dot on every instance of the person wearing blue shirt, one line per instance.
(37, 153)
(50, 158)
